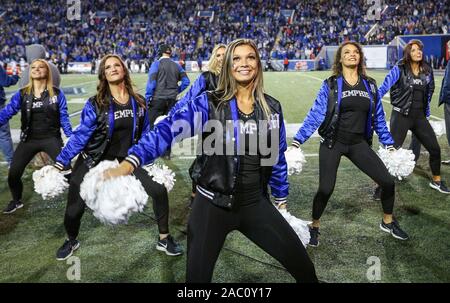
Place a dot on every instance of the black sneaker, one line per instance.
(12, 207)
(394, 229)
(67, 249)
(377, 194)
(440, 186)
(169, 246)
(314, 236)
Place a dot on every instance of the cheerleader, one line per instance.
(411, 86)
(43, 110)
(346, 111)
(234, 175)
(111, 122)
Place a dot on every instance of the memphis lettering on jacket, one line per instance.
(213, 144)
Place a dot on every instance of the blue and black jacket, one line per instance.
(5, 81)
(163, 78)
(95, 131)
(325, 114)
(55, 108)
(216, 179)
(399, 82)
(207, 81)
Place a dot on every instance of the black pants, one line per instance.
(365, 159)
(261, 222)
(421, 128)
(75, 204)
(159, 107)
(416, 145)
(447, 120)
(23, 154)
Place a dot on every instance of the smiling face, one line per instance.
(416, 53)
(245, 64)
(350, 56)
(38, 70)
(114, 71)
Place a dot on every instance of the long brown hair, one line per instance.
(103, 91)
(407, 60)
(227, 85)
(213, 65)
(28, 89)
(337, 65)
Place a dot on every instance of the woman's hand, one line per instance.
(124, 169)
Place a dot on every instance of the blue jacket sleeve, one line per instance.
(430, 92)
(380, 126)
(184, 123)
(64, 116)
(444, 96)
(184, 80)
(151, 82)
(79, 137)
(11, 108)
(6, 80)
(315, 116)
(196, 89)
(390, 80)
(278, 181)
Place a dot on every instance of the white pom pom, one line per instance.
(295, 159)
(438, 127)
(162, 175)
(112, 201)
(400, 163)
(159, 119)
(49, 182)
(299, 226)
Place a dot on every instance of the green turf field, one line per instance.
(349, 233)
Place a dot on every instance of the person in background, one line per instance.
(43, 109)
(6, 144)
(162, 85)
(411, 86)
(444, 98)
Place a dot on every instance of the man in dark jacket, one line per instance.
(162, 86)
(6, 144)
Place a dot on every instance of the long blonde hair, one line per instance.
(214, 65)
(227, 85)
(28, 89)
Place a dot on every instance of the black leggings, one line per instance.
(261, 222)
(365, 159)
(23, 154)
(159, 107)
(421, 128)
(75, 204)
